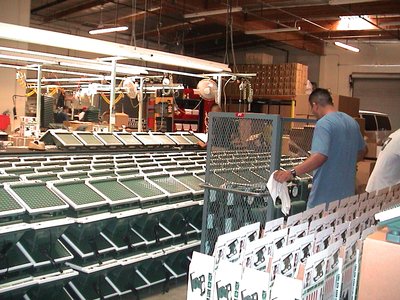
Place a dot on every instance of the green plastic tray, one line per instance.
(113, 190)
(78, 194)
(190, 180)
(37, 196)
(142, 187)
(8, 203)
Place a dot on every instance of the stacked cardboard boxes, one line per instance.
(348, 105)
(273, 80)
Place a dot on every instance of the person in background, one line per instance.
(214, 108)
(105, 117)
(61, 115)
(337, 145)
(81, 116)
(387, 168)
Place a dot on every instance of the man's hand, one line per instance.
(282, 176)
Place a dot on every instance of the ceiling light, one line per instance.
(274, 30)
(26, 59)
(340, 2)
(212, 12)
(107, 28)
(66, 79)
(68, 41)
(354, 23)
(347, 47)
(103, 29)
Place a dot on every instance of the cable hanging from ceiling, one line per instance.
(144, 23)
(159, 24)
(229, 37)
(133, 25)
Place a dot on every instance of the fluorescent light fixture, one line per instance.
(101, 30)
(69, 72)
(67, 79)
(211, 12)
(156, 88)
(68, 41)
(354, 23)
(341, 2)
(124, 69)
(275, 30)
(17, 67)
(26, 59)
(347, 47)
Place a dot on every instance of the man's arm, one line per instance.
(313, 162)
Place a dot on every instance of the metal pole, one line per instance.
(140, 102)
(219, 93)
(38, 99)
(112, 95)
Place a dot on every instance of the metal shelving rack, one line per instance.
(98, 225)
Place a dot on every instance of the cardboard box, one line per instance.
(285, 145)
(121, 119)
(302, 105)
(380, 265)
(364, 170)
(348, 105)
(19, 141)
(301, 116)
(372, 150)
(361, 123)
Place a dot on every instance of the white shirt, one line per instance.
(81, 115)
(387, 169)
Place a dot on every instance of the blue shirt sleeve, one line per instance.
(321, 140)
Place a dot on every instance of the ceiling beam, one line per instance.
(138, 15)
(296, 40)
(47, 5)
(75, 9)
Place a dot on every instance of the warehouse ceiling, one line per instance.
(204, 27)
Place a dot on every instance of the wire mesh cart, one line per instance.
(242, 151)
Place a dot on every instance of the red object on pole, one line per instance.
(4, 122)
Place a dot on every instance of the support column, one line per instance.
(112, 95)
(38, 99)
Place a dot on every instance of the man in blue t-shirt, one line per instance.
(337, 145)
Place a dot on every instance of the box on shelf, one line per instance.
(302, 105)
(273, 80)
(19, 141)
(361, 123)
(282, 110)
(300, 116)
(28, 126)
(380, 264)
(348, 105)
(121, 119)
(364, 170)
(372, 150)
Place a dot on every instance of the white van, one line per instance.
(377, 125)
